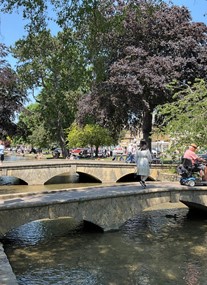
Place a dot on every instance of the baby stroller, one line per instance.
(190, 174)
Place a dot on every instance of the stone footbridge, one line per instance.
(106, 207)
(40, 172)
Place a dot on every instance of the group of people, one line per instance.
(143, 158)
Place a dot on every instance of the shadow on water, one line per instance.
(14, 157)
(196, 214)
(7, 180)
(44, 230)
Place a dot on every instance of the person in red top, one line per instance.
(190, 154)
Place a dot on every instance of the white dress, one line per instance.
(2, 149)
(142, 159)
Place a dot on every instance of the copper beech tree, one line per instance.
(12, 95)
(154, 45)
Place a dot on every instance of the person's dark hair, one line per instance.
(143, 142)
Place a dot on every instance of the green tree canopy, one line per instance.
(30, 127)
(90, 135)
(55, 65)
(185, 119)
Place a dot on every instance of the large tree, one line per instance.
(12, 95)
(55, 65)
(134, 48)
(157, 43)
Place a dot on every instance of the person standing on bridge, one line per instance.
(143, 158)
(2, 147)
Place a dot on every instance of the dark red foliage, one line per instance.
(153, 46)
(12, 96)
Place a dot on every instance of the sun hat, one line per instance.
(194, 145)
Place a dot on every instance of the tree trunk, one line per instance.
(62, 143)
(97, 151)
(147, 126)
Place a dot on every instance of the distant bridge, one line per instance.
(40, 172)
(106, 207)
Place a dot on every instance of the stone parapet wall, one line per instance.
(7, 276)
(168, 177)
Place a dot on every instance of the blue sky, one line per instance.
(12, 25)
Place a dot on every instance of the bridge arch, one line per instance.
(60, 225)
(25, 220)
(132, 177)
(83, 177)
(12, 180)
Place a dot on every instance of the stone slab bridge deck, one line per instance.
(39, 172)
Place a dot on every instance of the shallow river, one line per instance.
(160, 247)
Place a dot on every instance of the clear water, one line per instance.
(159, 247)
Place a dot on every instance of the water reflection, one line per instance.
(12, 189)
(157, 247)
(38, 231)
(14, 157)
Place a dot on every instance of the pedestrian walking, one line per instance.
(2, 148)
(143, 158)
